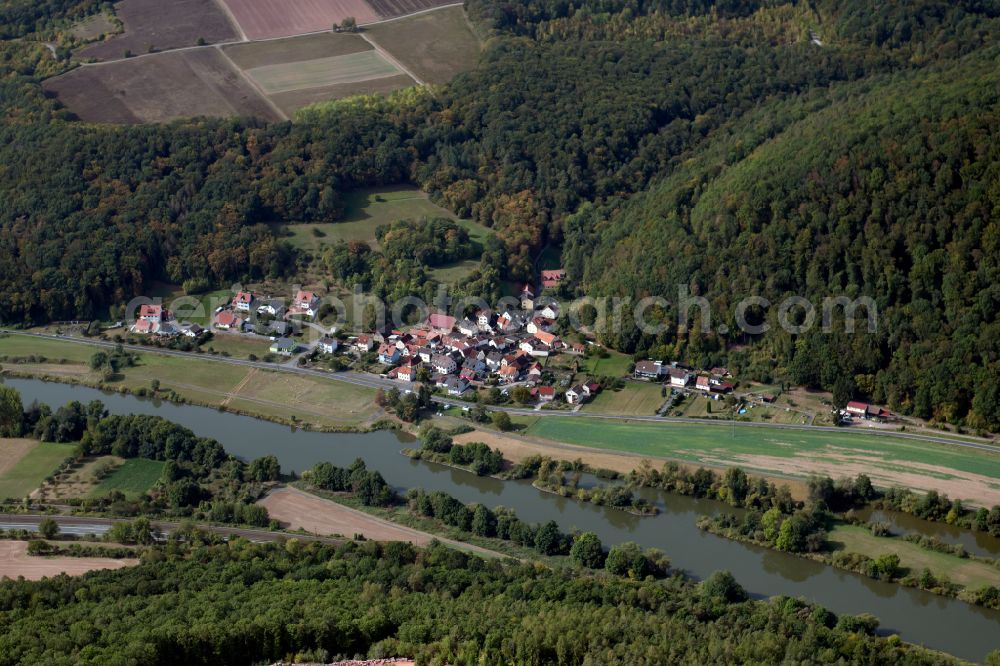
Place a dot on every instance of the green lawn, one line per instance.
(795, 452)
(616, 365)
(134, 477)
(367, 209)
(639, 399)
(29, 472)
(22, 345)
(857, 539)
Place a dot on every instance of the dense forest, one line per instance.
(240, 603)
(736, 147)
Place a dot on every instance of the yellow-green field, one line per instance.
(329, 71)
(323, 403)
(26, 463)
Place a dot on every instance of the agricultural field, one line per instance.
(299, 71)
(159, 88)
(959, 472)
(434, 46)
(15, 561)
(639, 399)
(393, 8)
(24, 464)
(267, 19)
(133, 477)
(158, 25)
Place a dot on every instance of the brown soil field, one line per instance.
(12, 450)
(434, 46)
(289, 102)
(296, 509)
(159, 88)
(264, 19)
(163, 24)
(391, 8)
(15, 561)
(516, 449)
(248, 55)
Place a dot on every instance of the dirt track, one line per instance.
(15, 561)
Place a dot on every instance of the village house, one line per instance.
(576, 395)
(444, 364)
(305, 302)
(273, 307)
(509, 373)
(493, 360)
(243, 301)
(578, 348)
(440, 380)
(406, 371)
(191, 330)
(227, 320)
(457, 386)
(650, 369)
(552, 278)
(388, 353)
(550, 339)
(327, 345)
(868, 412)
(591, 388)
(543, 393)
(441, 322)
(468, 327)
(278, 327)
(534, 371)
(539, 324)
(550, 311)
(679, 377)
(283, 346)
(484, 319)
(152, 313)
(701, 383)
(363, 344)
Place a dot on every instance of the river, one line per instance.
(919, 617)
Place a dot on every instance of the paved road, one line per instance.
(374, 381)
(85, 525)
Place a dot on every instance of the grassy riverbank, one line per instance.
(275, 396)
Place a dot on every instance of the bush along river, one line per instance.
(920, 617)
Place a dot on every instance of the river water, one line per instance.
(919, 617)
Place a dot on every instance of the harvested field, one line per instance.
(434, 46)
(15, 561)
(264, 19)
(296, 509)
(336, 70)
(29, 468)
(163, 25)
(249, 55)
(290, 102)
(393, 8)
(180, 84)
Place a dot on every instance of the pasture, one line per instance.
(639, 399)
(159, 25)
(959, 472)
(365, 210)
(134, 477)
(266, 19)
(179, 84)
(26, 463)
(435, 46)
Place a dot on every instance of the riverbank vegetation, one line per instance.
(436, 445)
(312, 602)
(825, 529)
